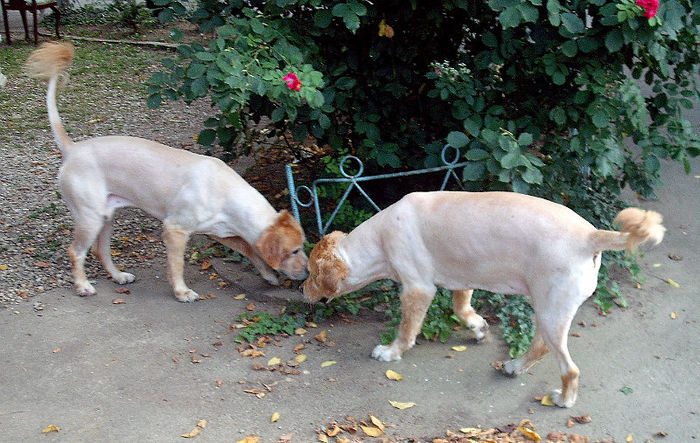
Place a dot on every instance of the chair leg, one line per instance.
(36, 27)
(24, 22)
(7, 26)
(57, 16)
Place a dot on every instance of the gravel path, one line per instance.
(36, 225)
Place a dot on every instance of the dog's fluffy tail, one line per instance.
(49, 63)
(637, 226)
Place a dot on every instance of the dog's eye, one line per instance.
(296, 251)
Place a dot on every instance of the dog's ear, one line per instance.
(327, 269)
(280, 239)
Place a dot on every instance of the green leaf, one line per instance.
(569, 48)
(510, 17)
(558, 115)
(476, 154)
(457, 139)
(473, 125)
(206, 137)
(572, 23)
(175, 35)
(511, 160)
(525, 139)
(323, 18)
(200, 87)
(614, 40)
(154, 101)
(473, 171)
(196, 70)
(345, 83)
(205, 56)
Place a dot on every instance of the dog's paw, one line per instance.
(386, 353)
(85, 289)
(123, 278)
(480, 330)
(186, 296)
(271, 279)
(558, 400)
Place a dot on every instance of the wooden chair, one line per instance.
(34, 6)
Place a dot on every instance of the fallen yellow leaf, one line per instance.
(376, 422)
(274, 361)
(327, 363)
(275, 417)
(301, 358)
(372, 431)
(402, 405)
(193, 433)
(629, 438)
(239, 297)
(3, 267)
(674, 316)
(321, 336)
(202, 424)
(333, 431)
(470, 431)
(459, 348)
(50, 428)
(300, 331)
(250, 439)
(656, 265)
(672, 283)
(310, 324)
(392, 375)
(529, 433)
(322, 438)
(547, 400)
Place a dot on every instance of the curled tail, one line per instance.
(49, 63)
(637, 226)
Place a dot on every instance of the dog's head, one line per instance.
(281, 245)
(326, 270)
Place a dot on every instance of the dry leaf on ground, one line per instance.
(402, 404)
(393, 375)
(275, 417)
(327, 363)
(50, 428)
(372, 431)
(459, 348)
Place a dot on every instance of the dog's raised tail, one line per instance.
(49, 63)
(637, 226)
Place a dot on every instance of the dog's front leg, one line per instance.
(175, 243)
(241, 246)
(414, 305)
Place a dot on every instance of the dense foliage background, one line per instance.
(539, 95)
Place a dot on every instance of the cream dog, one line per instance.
(498, 241)
(190, 193)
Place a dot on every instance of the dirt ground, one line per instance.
(139, 366)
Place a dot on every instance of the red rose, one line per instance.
(650, 7)
(292, 81)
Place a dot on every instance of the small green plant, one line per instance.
(263, 323)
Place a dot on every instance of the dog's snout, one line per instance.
(323, 300)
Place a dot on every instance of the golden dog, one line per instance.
(190, 193)
(497, 241)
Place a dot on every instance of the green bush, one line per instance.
(541, 96)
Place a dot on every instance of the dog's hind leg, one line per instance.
(103, 252)
(414, 305)
(86, 228)
(175, 243)
(462, 304)
(522, 364)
